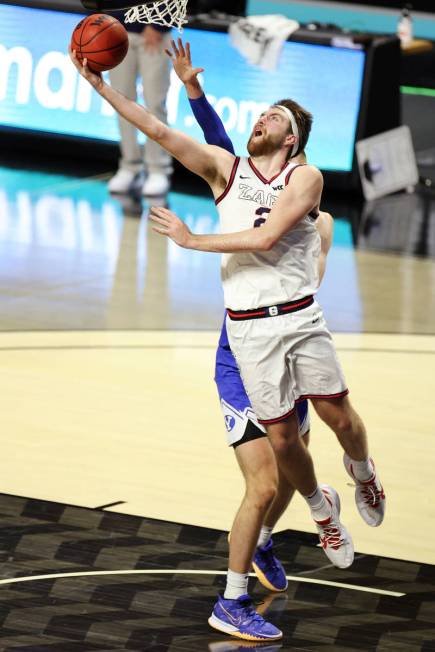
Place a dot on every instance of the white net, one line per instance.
(170, 13)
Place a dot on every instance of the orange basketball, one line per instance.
(102, 40)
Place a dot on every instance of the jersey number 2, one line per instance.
(260, 220)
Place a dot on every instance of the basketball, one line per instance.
(102, 40)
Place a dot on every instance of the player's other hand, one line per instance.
(169, 224)
(182, 62)
(94, 78)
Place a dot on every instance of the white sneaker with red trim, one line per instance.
(369, 495)
(334, 538)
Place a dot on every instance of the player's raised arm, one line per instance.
(294, 203)
(205, 115)
(211, 163)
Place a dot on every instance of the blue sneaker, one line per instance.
(239, 618)
(269, 569)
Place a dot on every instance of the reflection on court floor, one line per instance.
(83, 248)
(150, 585)
(75, 257)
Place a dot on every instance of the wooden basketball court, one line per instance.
(114, 453)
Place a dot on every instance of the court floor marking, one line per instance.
(115, 504)
(208, 347)
(291, 578)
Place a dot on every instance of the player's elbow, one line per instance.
(266, 242)
(161, 132)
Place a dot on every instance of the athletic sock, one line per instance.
(265, 534)
(320, 508)
(362, 470)
(237, 585)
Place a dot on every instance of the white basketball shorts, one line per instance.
(285, 359)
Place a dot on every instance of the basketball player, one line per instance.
(275, 327)
(244, 432)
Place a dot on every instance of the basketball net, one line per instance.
(169, 13)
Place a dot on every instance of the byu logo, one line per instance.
(230, 422)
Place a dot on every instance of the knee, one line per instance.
(282, 446)
(339, 415)
(339, 420)
(263, 494)
(344, 424)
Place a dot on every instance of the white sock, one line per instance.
(265, 534)
(237, 585)
(320, 508)
(363, 470)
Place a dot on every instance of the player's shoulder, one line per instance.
(306, 174)
(306, 170)
(219, 151)
(312, 172)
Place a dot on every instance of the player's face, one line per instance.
(269, 133)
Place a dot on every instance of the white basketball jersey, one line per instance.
(287, 272)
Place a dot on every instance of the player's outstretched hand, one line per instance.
(182, 62)
(94, 78)
(169, 224)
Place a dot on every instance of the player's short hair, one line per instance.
(304, 120)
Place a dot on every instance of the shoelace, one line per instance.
(331, 537)
(372, 495)
(269, 560)
(249, 614)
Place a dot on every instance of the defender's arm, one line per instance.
(207, 118)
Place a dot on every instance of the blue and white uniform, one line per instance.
(240, 419)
